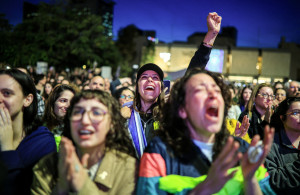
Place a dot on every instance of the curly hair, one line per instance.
(118, 137)
(49, 116)
(173, 129)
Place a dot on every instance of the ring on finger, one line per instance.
(77, 168)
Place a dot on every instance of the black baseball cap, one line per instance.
(150, 66)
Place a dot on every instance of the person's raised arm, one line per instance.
(201, 56)
(213, 25)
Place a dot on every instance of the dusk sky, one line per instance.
(260, 23)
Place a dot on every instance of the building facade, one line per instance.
(238, 64)
(235, 63)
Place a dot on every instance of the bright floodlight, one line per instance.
(165, 56)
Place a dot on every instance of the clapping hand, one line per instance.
(268, 114)
(241, 131)
(72, 172)
(218, 173)
(249, 168)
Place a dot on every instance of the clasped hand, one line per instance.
(72, 171)
(6, 131)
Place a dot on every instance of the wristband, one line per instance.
(207, 44)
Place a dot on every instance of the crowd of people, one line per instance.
(80, 133)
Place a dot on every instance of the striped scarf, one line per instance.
(136, 131)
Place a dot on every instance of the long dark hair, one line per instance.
(45, 95)
(154, 108)
(276, 120)
(118, 137)
(30, 119)
(254, 94)
(49, 116)
(173, 129)
(241, 99)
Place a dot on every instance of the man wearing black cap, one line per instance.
(149, 85)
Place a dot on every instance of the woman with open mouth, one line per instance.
(149, 93)
(95, 157)
(194, 153)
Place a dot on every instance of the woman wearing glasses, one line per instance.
(283, 161)
(259, 109)
(124, 95)
(149, 92)
(96, 154)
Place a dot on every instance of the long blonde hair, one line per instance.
(253, 96)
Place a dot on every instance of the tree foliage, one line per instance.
(131, 39)
(127, 46)
(6, 48)
(148, 53)
(63, 37)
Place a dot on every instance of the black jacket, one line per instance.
(283, 164)
(148, 125)
(199, 60)
(256, 124)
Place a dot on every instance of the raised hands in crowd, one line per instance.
(132, 136)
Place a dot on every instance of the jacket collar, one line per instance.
(104, 175)
(285, 140)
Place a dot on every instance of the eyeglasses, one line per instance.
(266, 96)
(96, 115)
(294, 113)
(126, 96)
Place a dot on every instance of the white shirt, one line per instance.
(206, 148)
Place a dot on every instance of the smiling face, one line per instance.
(12, 97)
(260, 101)
(292, 122)
(85, 132)
(149, 86)
(62, 103)
(280, 95)
(203, 111)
